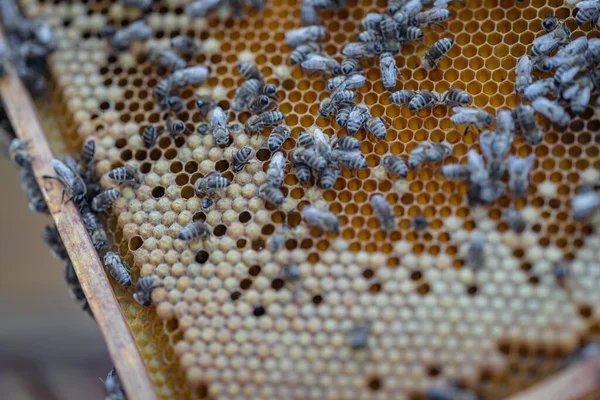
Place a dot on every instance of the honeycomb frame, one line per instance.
(411, 285)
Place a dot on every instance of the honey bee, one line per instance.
(104, 200)
(19, 154)
(271, 194)
(113, 387)
(321, 63)
(189, 76)
(588, 10)
(73, 183)
(471, 117)
(354, 81)
(313, 33)
(454, 96)
(368, 36)
(301, 170)
(417, 156)
(328, 176)
(419, 222)
(450, 392)
(372, 20)
(402, 96)
(547, 43)
(311, 158)
(127, 174)
(579, 94)
(53, 240)
(359, 337)
(324, 219)
(350, 159)
(565, 54)
(73, 284)
(278, 135)
(543, 87)
(475, 257)
(495, 147)
(143, 290)
(136, 31)
(362, 50)
(456, 171)
(513, 219)
(149, 136)
(201, 8)
(518, 169)
(211, 183)
(327, 107)
(385, 212)
(349, 65)
(94, 228)
(395, 165)
(277, 242)
(300, 53)
(434, 54)
(478, 174)
(433, 16)
(346, 143)
(423, 98)
(175, 103)
(389, 71)
(376, 126)
(176, 127)
(408, 33)
(523, 73)
(249, 71)
(438, 152)
(260, 103)
(257, 122)
(165, 57)
(308, 13)
(292, 273)
(344, 96)
(505, 124)
(162, 90)
(88, 150)
(358, 116)
(241, 157)
(524, 117)
(118, 268)
(305, 139)
(276, 170)
(195, 230)
(551, 110)
(185, 45)
(343, 113)
(585, 205)
(218, 124)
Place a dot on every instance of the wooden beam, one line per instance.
(574, 383)
(90, 271)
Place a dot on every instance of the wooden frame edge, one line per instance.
(122, 348)
(574, 383)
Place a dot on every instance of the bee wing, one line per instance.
(588, 5)
(570, 92)
(545, 43)
(524, 66)
(475, 160)
(464, 110)
(485, 143)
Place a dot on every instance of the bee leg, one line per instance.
(466, 129)
(437, 24)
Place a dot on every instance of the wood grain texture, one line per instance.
(578, 382)
(85, 259)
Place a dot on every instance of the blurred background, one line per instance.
(49, 347)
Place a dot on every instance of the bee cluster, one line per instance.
(27, 43)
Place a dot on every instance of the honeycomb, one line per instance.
(224, 323)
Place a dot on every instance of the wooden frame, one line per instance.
(86, 262)
(577, 382)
